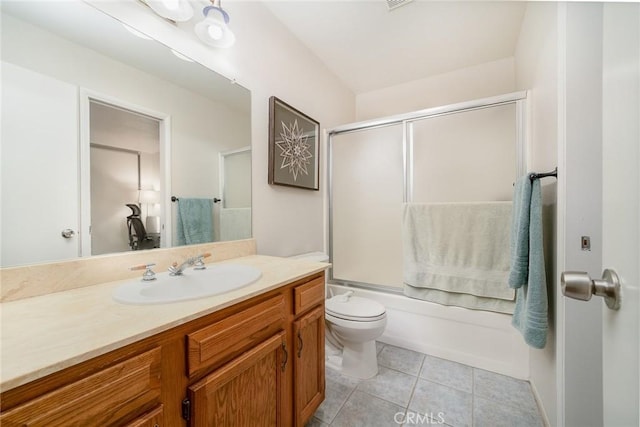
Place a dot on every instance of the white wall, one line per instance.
(480, 81)
(536, 70)
(269, 61)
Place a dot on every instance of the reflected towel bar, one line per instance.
(175, 199)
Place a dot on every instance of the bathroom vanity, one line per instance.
(251, 357)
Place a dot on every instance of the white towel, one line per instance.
(458, 247)
(235, 223)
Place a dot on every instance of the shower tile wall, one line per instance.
(412, 388)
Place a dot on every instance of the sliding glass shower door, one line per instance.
(367, 194)
(470, 152)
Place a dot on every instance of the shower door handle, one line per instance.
(578, 285)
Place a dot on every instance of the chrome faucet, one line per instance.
(176, 270)
(148, 275)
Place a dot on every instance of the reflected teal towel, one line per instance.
(530, 315)
(195, 221)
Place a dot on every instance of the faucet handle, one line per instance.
(199, 264)
(148, 274)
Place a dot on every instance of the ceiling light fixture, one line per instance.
(214, 28)
(176, 10)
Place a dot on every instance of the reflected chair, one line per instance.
(138, 238)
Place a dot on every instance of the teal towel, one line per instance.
(519, 272)
(530, 315)
(194, 221)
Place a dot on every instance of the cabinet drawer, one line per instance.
(154, 418)
(219, 342)
(105, 398)
(309, 295)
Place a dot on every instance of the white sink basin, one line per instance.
(192, 284)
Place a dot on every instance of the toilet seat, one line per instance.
(357, 309)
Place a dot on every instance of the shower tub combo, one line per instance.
(470, 152)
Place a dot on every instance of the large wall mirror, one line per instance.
(101, 128)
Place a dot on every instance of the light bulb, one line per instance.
(171, 4)
(176, 10)
(215, 31)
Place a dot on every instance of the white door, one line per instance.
(39, 129)
(620, 211)
(601, 362)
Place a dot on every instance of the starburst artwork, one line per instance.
(295, 149)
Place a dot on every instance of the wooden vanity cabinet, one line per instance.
(257, 363)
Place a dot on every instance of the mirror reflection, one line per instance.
(100, 128)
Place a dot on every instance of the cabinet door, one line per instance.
(247, 391)
(309, 364)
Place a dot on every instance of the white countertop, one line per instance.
(48, 333)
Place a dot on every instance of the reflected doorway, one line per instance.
(235, 188)
(125, 176)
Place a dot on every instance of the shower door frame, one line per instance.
(521, 101)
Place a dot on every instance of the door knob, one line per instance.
(68, 233)
(578, 285)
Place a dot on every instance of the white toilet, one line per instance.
(355, 323)
(352, 325)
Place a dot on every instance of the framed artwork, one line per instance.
(294, 147)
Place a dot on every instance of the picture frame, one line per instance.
(294, 147)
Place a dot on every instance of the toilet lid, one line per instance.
(354, 308)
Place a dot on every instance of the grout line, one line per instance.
(415, 384)
(473, 396)
(343, 403)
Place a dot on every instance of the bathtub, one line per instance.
(480, 339)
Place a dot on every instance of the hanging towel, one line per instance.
(519, 243)
(235, 223)
(530, 315)
(194, 221)
(457, 247)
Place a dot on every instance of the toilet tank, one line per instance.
(316, 257)
(313, 256)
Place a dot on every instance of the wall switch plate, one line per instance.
(585, 243)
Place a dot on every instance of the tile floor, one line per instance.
(412, 388)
